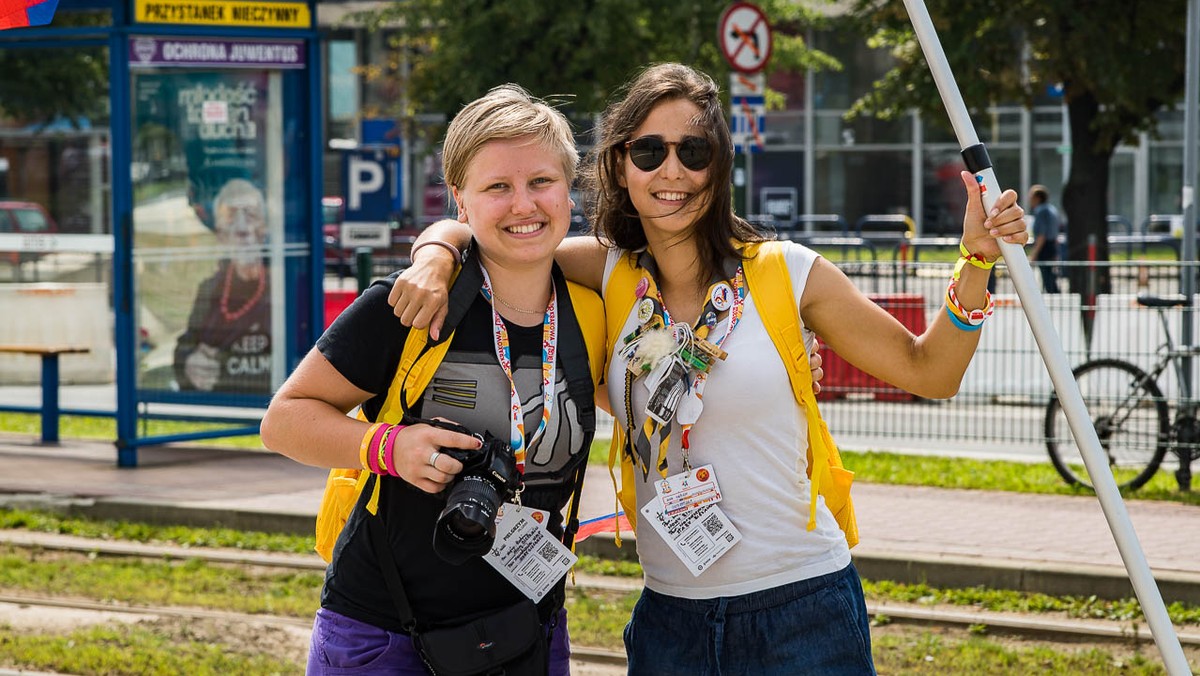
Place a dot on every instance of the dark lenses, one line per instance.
(694, 152)
(649, 152)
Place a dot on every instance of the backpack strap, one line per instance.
(420, 358)
(619, 298)
(573, 352)
(770, 285)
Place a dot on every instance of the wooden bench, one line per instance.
(49, 355)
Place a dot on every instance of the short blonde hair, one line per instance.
(504, 113)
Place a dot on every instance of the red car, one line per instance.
(26, 218)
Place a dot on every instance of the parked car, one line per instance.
(27, 218)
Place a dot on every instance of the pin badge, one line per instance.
(710, 319)
(722, 297)
(643, 285)
(645, 310)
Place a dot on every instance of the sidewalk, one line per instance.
(1053, 544)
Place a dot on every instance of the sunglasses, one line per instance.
(649, 152)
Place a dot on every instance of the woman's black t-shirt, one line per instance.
(470, 388)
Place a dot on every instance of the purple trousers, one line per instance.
(341, 645)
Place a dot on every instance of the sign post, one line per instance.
(744, 36)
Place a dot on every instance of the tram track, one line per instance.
(1054, 628)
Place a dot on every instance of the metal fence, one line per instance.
(1000, 408)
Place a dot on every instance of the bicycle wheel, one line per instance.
(1131, 419)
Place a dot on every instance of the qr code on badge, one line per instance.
(712, 524)
(548, 551)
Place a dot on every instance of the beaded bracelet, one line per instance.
(970, 317)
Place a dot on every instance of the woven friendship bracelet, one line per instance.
(968, 258)
(389, 450)
(365, 446)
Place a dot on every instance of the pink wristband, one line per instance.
(373, 449)
(389, 449)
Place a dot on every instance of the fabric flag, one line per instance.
(21, 13)
(609, 523)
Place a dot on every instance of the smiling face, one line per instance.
(670, 198)
(515, 196)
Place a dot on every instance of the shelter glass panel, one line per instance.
(218, 226)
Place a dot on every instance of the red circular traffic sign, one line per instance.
(744, 37)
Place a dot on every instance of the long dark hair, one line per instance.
(613, 216)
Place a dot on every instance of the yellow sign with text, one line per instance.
(224, 13)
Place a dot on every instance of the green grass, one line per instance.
(927, 652)
(204, 584)
(598, 618)
(134, 649)
(105, 429)
(997, 475)
(1001, 600)
(162, 583)
(44, 522)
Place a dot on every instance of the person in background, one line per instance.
(1046, 224)
(783, 596)
(509, 160)
(226, 346)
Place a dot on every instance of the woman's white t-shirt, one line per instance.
(754, 434)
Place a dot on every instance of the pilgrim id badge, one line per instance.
(525, 552)
(697, 536)
(689, 490)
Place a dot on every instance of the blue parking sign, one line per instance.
(373, 187)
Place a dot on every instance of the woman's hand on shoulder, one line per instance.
(1006, 220)
(419, 458)
(421, 294)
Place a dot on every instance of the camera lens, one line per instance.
(467, 526)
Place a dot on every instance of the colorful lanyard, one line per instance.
(516, 437)
(688, 416)
(652, 316)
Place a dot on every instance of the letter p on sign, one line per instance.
(365, 176)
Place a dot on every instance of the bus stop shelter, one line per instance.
(202, 148)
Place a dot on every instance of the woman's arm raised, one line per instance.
(932, 364)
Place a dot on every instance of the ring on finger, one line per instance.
(433, 458)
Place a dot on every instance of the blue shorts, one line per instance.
(816, 626)
(342, 645)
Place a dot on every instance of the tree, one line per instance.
(40, 85)
(1119, 62)
(587, 48)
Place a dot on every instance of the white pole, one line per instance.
(1054, 356)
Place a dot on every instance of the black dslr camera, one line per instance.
(467, 525)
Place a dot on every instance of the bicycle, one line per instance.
(1131, 415)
